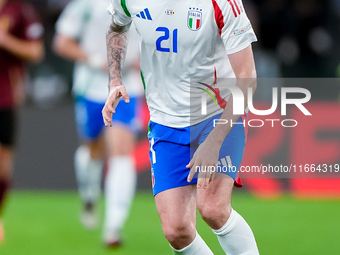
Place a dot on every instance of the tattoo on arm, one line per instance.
(116, 40)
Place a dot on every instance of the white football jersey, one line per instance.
(87, 22)
(181, 40)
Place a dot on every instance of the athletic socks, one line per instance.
(88, 175)
(236, 237)
(197, 247)
(120, 186)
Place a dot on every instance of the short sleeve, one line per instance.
(32, 28)
(120, 12)
(234, 26)
(72, 19)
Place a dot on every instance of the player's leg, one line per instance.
(7, 140)
(6, 161)
(120, 181)
(88, 168)
(88, 158)
(214, 202)
(121, 177)
(6, 158)
(177, 210)
(214, 205)
(175, 198)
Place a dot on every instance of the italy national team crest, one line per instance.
(194, 19)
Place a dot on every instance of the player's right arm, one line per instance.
(29, 46)
(27, 50)
(67, 47)
(116, 42)
(67, 39)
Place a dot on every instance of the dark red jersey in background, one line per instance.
(22, 21)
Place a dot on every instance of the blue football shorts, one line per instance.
(172, 148)
(89, 120)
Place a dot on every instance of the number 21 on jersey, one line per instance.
(166, 36)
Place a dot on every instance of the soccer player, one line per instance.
(20, 42)
(181, 40)
(80, 37)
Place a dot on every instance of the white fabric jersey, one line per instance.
(181, 40)
(87, 22)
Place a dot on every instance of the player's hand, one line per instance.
(204, 161)
(111, 103)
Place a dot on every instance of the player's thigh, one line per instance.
(119, 140)
(218, 191)
(177, 209)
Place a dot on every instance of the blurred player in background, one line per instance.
(181, 40)
(20, 42)
(81, 31)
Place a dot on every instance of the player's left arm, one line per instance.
(207, 153)
(243, 66)
(237, 35)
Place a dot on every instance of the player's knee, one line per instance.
(215, 216)
(177, 235)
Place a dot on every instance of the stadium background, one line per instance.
(289, 216)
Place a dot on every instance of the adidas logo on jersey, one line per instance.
(145, 14)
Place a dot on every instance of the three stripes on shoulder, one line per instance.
(145, 14)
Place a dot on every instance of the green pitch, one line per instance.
(47, 223)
